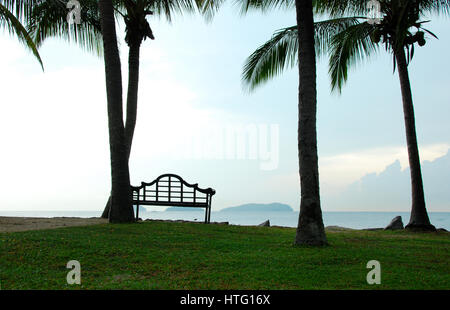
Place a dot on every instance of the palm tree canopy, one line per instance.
(346, 38)
(47, 18)
(358, 7)
(400, 28)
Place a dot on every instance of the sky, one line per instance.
(196, 119)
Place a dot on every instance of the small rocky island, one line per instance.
(258, 207)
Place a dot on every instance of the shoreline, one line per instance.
(17, 224)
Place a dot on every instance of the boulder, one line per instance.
(266, 223)
(395, 224)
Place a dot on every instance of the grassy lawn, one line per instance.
(161, 255)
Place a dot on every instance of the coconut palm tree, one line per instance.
(121, 206)
(14, 26)
(48, 18)
(310, 229)
(260, 66)
(399, 30)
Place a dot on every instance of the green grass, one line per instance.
(160, 255)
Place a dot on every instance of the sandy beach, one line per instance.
(10, 224)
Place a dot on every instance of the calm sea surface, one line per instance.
(355, 220)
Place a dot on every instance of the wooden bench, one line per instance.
(172, 191)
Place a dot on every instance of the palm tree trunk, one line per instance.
(132, 99)
(132, 96)
(419, 218)
(310, 229)
(121, 209)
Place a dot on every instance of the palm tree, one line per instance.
(121, 206)
(49, 19)
(297, 41)
(400, 30)
(310, 229)
(352, 37)
(14, 26)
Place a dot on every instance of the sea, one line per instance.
(355, 220)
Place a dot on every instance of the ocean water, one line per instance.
(356, 220)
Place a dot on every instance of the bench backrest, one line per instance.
(171, 190)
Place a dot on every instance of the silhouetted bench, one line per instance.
(172, 191)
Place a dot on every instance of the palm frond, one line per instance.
(325, 30)
(264, 5)
(339, 8)
(347, 48)
(14, 26)
(435, 7)
(168, 8)
(271, 58)
(280, 52)
(359, 7)
(209, 8)
(20, 8)
(49, 19)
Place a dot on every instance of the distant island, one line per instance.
(258, 207)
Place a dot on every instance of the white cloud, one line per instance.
(338, 171)
(54, 127)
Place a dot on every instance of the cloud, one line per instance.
(55, 153)
(338, 171)
(390, 190)
(371, 180)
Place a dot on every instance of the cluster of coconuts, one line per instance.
(418, 37)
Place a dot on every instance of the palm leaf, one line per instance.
(339, 8)
(271, 58)
(327, 29)
(359, 7)
(280, 52)
(167, 8)
(264, 5)
(435, 7)
(10, 22)
(49, 19)
(347, 48)
(20, 8)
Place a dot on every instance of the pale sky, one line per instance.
(54, 124)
